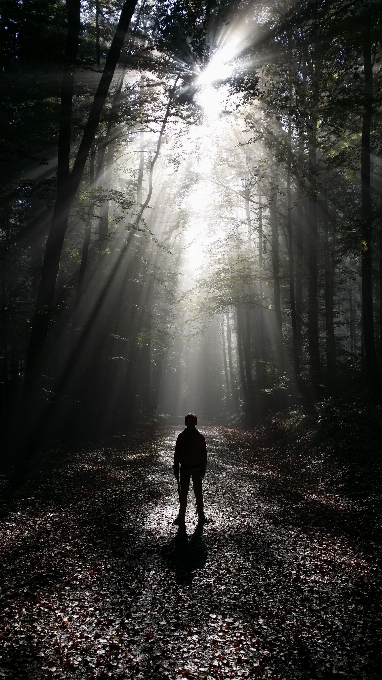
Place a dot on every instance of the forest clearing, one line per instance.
(285, 582)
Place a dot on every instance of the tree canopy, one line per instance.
(190, 207)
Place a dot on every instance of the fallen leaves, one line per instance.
(98, 583)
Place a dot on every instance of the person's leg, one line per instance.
(184, 479)
(197, 480)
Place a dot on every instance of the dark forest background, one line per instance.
(157, 256)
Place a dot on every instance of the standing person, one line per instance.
(191, 455)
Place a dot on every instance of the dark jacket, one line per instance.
(190, 450)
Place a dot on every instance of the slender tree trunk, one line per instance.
(244, 356)
(380, 287)
(260, 363)
(248, 215)
(6, 302)
(98, 48)
(295, 344)
(239, 322)
(276, 278)
(140, 168)
(106, 185)
(246, 336)
(87, 235)
(261, 251)
(156, 154)
(313, 329)
(229, 351)
(143, 381)
(366, 253)
(262, 352)
(352, 324)
(225, 364)
(313, 339)
(299, 270)
(84, 254)
(105, 163)
(329, 302)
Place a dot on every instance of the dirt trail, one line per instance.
(98, 582)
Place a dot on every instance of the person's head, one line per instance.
(190, 420)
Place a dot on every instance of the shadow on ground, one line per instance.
(185, 554)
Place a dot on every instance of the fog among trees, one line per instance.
(190, 209)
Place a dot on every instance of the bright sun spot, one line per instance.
(211, 81)
(213, 91)
(212, 99)
(219, 68)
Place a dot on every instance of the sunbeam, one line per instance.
(194, 249)
(228, 46)
(190, 222)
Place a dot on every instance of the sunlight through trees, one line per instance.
(190, 208)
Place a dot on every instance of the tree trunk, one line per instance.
(380, 286)
(352, 322)
(295, 344)
(103, 231)
(330, 344)
(108, 285)
(140, 168)
(225, 363)
(87, 235)
(98, 48)
(156, 155)
(240, 352)
(299, 270)
(6, 303)
(143, 380)
(229, 351)
(260, 361)
(45, 295)
(366, 253)
(313, 339)
(105, 163)
(247, 350)
(248, 214)
(68, 183)
(276, 278)
(313, 330)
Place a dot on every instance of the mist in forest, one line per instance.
(190, 210)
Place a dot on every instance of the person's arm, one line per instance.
(204, 455)
(176, 459)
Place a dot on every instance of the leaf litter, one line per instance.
(284, 583)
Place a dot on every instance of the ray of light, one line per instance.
(230, 43)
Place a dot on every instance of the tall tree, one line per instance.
(68, 181)
(366, 253)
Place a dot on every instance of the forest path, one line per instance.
(98, 582)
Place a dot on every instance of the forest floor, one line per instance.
(284, 583)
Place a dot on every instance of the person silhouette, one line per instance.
(190, 461)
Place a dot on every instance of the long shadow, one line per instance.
(185, 554)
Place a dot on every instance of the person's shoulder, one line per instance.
(181, 434)
(200, 434)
